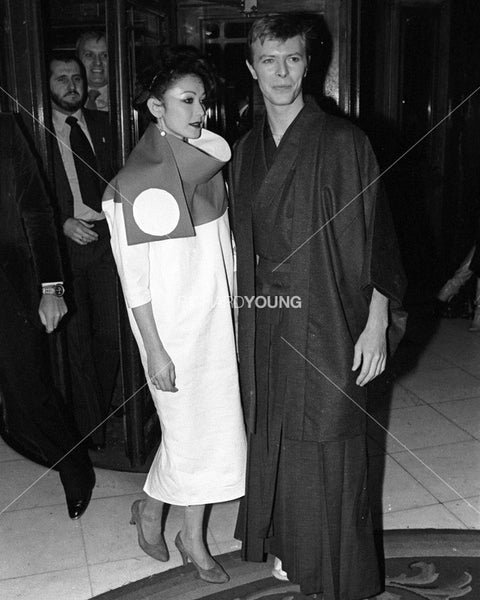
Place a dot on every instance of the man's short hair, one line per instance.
(65, 56)
(89, 35)
(280, 27)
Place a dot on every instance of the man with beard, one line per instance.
(82, 168)
(91, 49)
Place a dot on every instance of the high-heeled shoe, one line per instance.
(214, 575)
(158, 551)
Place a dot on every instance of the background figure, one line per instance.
(36, 419)
(470, 265)
(310, 223)
(91, 49)
(82, 163)
(167, 211)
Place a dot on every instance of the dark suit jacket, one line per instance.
(29, 252)
(99, 128)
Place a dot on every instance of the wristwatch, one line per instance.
(54, 290)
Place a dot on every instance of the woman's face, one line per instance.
(181, 110)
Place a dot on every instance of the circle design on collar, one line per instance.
(156, 211)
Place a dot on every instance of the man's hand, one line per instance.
(51, 310)
(79, 231)
(370, 353)
(371, 348)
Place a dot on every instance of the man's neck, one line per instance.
(100, 89)
(63, 111)
(281, 117)
(59, 117)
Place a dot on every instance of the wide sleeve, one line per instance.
(133, 262)
(382, 266)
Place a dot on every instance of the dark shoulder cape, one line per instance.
(343, 245)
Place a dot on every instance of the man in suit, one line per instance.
(81, 174)
(91, 49)
(36, 421)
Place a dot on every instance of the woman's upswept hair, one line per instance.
(280, 27)
(173, 64)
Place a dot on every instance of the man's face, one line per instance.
(279, 67)
(94, 57)
(67, 88)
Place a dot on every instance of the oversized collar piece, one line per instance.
(158, 174)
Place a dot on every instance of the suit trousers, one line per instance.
(92, 329)
(36, 420)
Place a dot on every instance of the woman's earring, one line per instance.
(162, 130)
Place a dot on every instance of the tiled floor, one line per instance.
(425, 474)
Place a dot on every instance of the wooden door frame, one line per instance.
(26, 80)
(388, 106)
(388, 46)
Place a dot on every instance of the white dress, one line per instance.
(202, 455)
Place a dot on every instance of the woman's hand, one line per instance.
(161, 371)
(160, 368)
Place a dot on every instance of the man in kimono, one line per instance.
(310, 222)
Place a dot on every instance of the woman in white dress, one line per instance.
(167, 213)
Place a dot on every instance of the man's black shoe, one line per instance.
(78, 485)
(76, 507)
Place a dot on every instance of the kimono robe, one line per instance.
(313, 225)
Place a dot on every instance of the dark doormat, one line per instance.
(424, 564)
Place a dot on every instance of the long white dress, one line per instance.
(188, 280)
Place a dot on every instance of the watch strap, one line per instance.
(56, 289)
